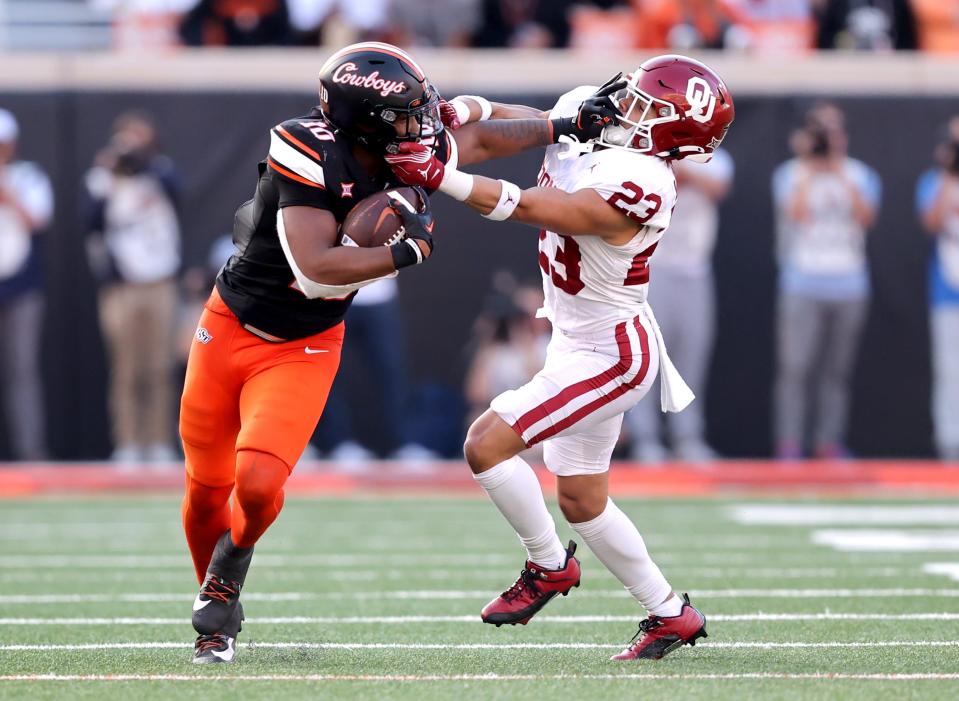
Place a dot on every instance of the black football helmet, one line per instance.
(370, 91)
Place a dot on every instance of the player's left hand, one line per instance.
(598, 110)
(448, 116)
(415, 164)
(417, 224)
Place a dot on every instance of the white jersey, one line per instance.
(590, 285)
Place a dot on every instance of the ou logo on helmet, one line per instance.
(701, 100)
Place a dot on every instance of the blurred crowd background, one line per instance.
(739, 25)
(803, 369)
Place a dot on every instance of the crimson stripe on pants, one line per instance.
(587, 409)
(600, 402)
(568, 394)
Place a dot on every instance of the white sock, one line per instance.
(512, 486)
(615, 541)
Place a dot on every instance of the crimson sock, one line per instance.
(206, 517)
(259, 495)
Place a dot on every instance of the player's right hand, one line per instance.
(417, 225)
(415, 164)
(448, 116)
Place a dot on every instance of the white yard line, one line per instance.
(340, 573)
(447, 595)
(218, 678)
(411, 560)
(841, 515)
(887, 540)
(745, 645)
(949, 569)
(403, 620)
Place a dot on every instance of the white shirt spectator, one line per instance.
(825, 254)
(141, 229)
(27, 184)
(688, 244)
(307, 15)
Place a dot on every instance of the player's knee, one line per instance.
(581, 507)
(259, 480)
(480, 448)
(473, 451)
(489, 442)
(202, 499)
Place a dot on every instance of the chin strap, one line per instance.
(574, 147)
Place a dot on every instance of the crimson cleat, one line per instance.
(658, 636)
(532, 591)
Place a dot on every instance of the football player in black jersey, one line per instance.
(268, 343)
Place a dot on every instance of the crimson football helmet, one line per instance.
(369, 89)
(673, 107)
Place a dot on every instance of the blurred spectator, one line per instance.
(434, 22)
(509, 343)
(596, 29)
(937, 198)
(872, 25)
(145, 24)
(135, 253)
(691, 24)
(825, 202)
(528, 24)
(378, 342)
(937, 24)
(237, 23)
(682, 292)
(775, 26)
(196, 282)
(26, 207)
(340, 22)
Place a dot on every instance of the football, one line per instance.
(372, 222)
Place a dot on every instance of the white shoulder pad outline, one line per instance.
(282, 154)
(311, 288)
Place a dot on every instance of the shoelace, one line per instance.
(209, 642)
(216, 588)
(645, 626)
(526, 580)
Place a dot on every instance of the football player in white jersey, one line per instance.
(602, 206)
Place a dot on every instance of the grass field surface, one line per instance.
(379, 598)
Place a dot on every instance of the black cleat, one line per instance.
(217, 648)
(215, 607)
(220, 647)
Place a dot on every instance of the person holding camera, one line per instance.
(825, 203)
(135, 254)
(937, 201)
(26, 208)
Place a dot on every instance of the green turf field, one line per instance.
(378, 599)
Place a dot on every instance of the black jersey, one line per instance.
(311, 165)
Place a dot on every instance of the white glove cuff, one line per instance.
(456, 184)
(486, 108)
(508, 201)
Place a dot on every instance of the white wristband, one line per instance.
(509, 196)
(486, 108)
(462, 110)
(456, 184)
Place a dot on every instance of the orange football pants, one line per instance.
(248, 410)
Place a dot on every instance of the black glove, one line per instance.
(417, 225)
(594, 114)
